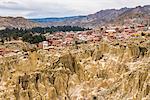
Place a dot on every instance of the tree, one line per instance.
(142, 34)
(27, 38)
(2, 41)
(38, 38)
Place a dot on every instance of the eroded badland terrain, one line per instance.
(96, 71)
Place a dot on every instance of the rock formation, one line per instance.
(102, 71)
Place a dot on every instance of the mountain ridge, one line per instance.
(17, 22)
(53, 19)
(101, 17)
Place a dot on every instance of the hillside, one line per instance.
(138, 15)
(117, 16)
(16, 22)
(100, 18)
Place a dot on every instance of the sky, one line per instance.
(62, 8)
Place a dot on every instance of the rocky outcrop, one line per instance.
(104, 71)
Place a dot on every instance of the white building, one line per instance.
(45, 44)
(2, 28)
(111, 31)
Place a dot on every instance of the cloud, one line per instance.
(59, 8)
(9, 2)
(11, 5)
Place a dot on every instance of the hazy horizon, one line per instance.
(62, 8)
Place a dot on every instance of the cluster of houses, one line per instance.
(3, 51)
(69, 38)
(125, 32)
(111, 32)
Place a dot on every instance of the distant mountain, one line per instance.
(100, 18)
(17, 22)
(55, 19)
(139, 15)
